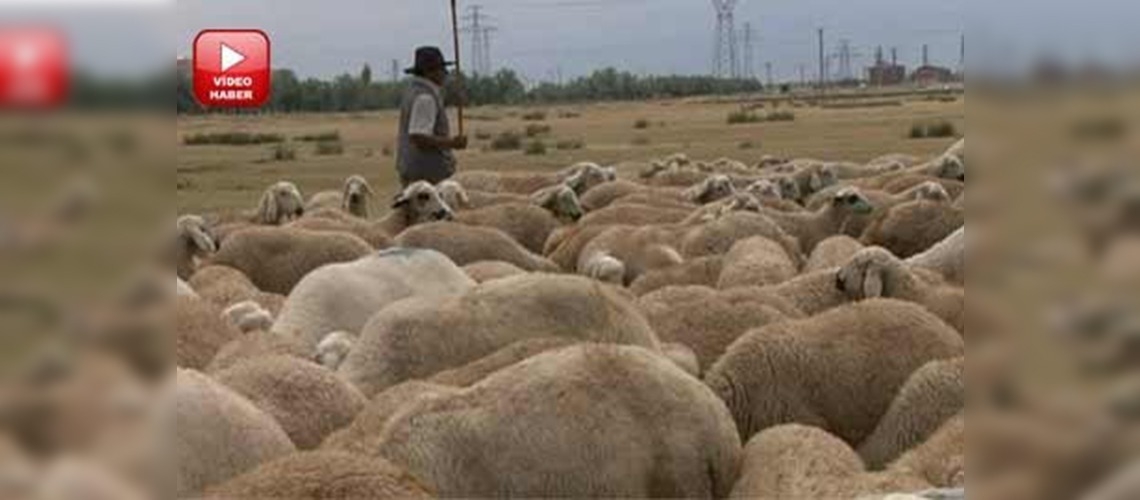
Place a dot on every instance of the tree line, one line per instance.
(360, 92)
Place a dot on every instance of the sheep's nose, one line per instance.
(444, 215)
(576, 216)
(840, 284)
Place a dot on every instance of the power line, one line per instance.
(480, 41)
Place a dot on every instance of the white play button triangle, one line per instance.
(230, 57)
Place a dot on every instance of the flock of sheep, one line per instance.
(791, 329)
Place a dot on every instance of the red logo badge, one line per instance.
(231, 68)
(33, 68)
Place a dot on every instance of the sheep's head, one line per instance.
(652, 170)
(561, 201)
(281, 202)
(605, 268)
(853, 201)
(193, 236)
(453, 194)
(826, 176)
(421, 202)
(713, 188)
(248, 316)
(950, 167)
(789, 188)
(931, 191)
(584, 176)
(357, 194)
(871, 273)
(764, 189)
(333, 349)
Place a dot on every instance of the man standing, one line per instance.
(426, 144)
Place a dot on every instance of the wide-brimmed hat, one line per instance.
(428, 58)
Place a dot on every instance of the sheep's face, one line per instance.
(827, 176)
(867, 274)
(587, 176)
(281, 202)
(716, 187)
(453, 194)
(931, 191)
(421, 203)
(357, 194)
(764, 190)
(193, 235)
(560, 201)
(853, 201)
(950, 167)
(789, 188)
(333, 349)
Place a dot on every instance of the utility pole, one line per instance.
(803, 76)
(962, 54)
(768, 72)
(725, 61)
(480, 39)
(925, 55)
(749, 56)
(395, 70)
(822, 63)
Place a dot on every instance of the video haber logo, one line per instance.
(33, 68)
(231, 68)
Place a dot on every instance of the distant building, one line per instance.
(885, 73)
(932, 75)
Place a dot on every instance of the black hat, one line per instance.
(428, 58)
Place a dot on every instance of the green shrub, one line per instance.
(747, 145)
(506, 141)
(1100, 128)
(481, 118)
(329, 148)
(781, 116)
(641, 124)
(932, 130)
(640, 140)
(536, 147)
(283, 152)
(482, 135)
(535, 130)
(569, 114)
(568, 144)
(333, 135)
(534, 116)
(386, 150)
(231, 139)
(743, 116)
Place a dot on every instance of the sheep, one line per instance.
(801, 461)
(561, 201)
(947, 258)
(604, 268)
(941, 459)
(703, 271)
(712, 188)
(308, 400)
(218, 434)
(718, 236)
(333, 349)
(460, 198)
(181, 288)
(323, 474)
(336, 220)
(418, 203)
(770, 195)
(565, 244)
(471, 373)
(354, 198)
(584, 421)
(814, 177)
(223, 286)
(811, 293)
(253, 345)
(932, 395)
(248, 316)
(636, 214)
(580, 177)
(487, 270)
(874, 272)
(708, 321)
(832, 253)
(527, 224)
(417, 337)
(200, 331)
(814, 227)
(881, 201)
(362, 436)
(276, 258)
(605, 194)
(467, 244)
(913, 227)
(838, 370)
(70, 477)
(637, 249)
(756, 261)
(192, 242)
(341, 297)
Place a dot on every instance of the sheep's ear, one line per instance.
(543, 198)
(576, 181)
(873, 282)
(267, 210)
(202, 240)
(399, 201)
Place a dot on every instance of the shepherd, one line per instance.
(425, 142)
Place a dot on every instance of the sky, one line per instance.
(545, 39)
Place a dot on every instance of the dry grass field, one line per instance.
(213, 177)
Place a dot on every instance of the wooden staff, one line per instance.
(458, 70)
